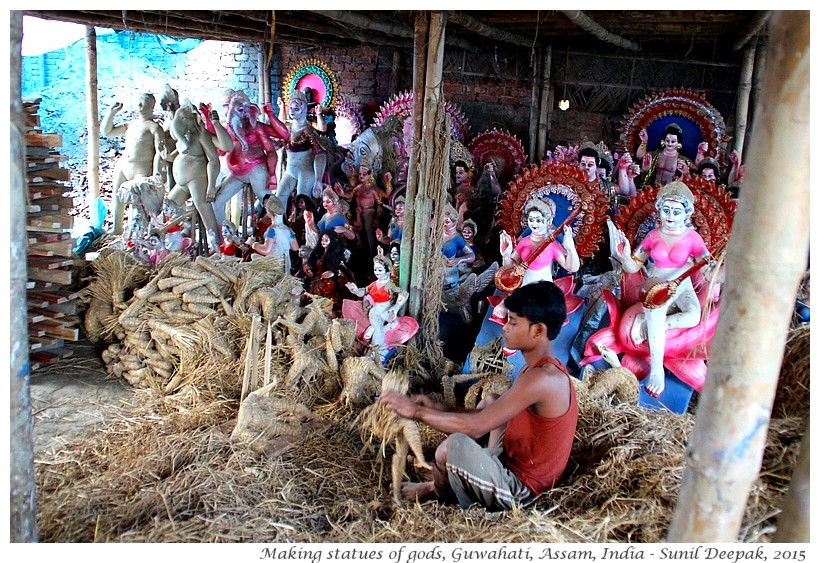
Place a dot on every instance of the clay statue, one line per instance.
(539, 220)
(376, 316)
(279, 239)
(674, 246)
(143, 148)
(252, 160)
(195, 168)
(306, 158)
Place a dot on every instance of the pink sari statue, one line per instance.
(657, 324)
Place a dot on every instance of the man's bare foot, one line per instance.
(421, 492)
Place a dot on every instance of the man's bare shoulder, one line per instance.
(549, 387)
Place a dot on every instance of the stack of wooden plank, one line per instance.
(53, 268)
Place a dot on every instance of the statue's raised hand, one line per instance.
(643, 135)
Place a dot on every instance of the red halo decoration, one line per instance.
(566, 187)
(712, 218)
(402, 105)
(501, 147)
(316, 75)
(686, 104)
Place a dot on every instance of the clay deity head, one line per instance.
(672, 138)
(675, 204)
(169, 101)
(298, 105)
(539, 217)
(330, 200)
(588, 160)
(469, 230)
(395, 249)
(381, 267)
(145, 105)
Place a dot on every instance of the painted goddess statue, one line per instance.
(674, 247)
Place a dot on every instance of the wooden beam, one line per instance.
(587, 23)
(472, 24)
(752, 28)
(362, 21)
(366, 22)
(725, 449)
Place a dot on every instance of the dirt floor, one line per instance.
(70, 398)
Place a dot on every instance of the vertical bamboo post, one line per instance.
(422, 204)
(535, 111)
(766, 258)
(422, 28)
(744, 90)
(23, 505)
(92, 117)
(757, 82)
(794, 523)
(545, 120)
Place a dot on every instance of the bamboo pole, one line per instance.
(92, 117)
(423, 204)
(766, 258)
(422, 28)
(757, 83)
(23, 505)
(545, 119)
(535, 96)
(744, 91)
(793, 525)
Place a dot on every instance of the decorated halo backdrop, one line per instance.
(316, 75)
(565, 186)
(712, 218)
(699, 120)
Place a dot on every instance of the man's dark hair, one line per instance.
(540, 302)
(589, 151)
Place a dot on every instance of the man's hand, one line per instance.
(403, 405)
(703, 147)
(116, 107)
(210, 196)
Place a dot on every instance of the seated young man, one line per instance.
(531, 426)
